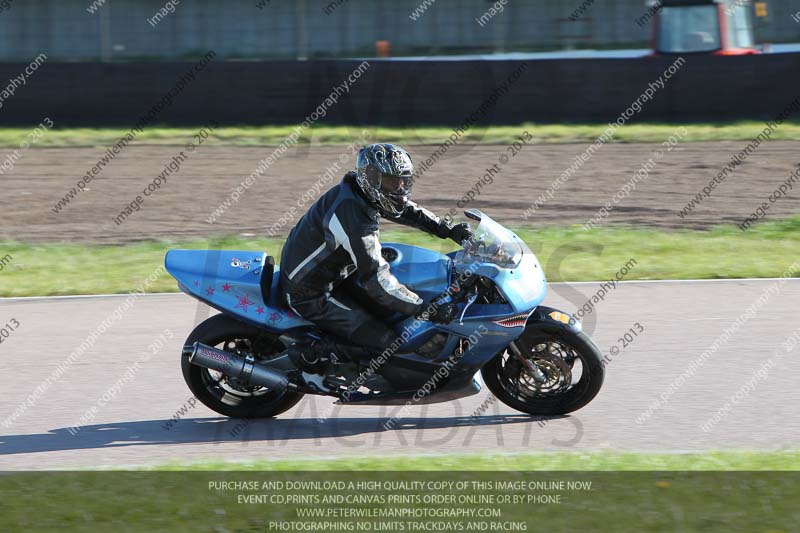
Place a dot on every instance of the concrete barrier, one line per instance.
(404, 92)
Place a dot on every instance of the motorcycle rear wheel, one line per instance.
(219, 392)
(559, 356)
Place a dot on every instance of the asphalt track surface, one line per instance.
(680, 321)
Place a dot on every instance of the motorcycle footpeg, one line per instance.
(316, 383)
(314, 357)
(305, 358)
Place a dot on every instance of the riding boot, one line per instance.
(311, 358)
(307, 356)
(342, 350)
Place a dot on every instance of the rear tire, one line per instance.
(219, 393)
(514, 385)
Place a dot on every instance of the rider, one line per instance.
(337, 240)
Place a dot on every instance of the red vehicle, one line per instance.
(718, 27)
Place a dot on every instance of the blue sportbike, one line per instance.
(533, 358)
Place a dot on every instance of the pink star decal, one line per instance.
(260, 310)
(244, 302)
(226, 287)
(289, 314)
(210, 291)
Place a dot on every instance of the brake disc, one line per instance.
(558, 372)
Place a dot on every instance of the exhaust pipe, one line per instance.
(244, 369)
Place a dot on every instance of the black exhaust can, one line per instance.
(244, 369)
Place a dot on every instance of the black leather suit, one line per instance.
(337, 239)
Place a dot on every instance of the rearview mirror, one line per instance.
(473, 214)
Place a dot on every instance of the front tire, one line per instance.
(560, 356)
(223, 394)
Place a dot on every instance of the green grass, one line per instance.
(566, 254)
(556, 461)
(667, 499)
(323, 134)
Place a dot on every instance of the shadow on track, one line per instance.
(253, 431)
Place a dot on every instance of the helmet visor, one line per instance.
(395, 189)
(395, 185)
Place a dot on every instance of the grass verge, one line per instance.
(582, 494)
(323, 134)
(566, 254)
(594, 461)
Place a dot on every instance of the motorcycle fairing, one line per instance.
(523, 286)
(428, 273)
(423, 271)
(230, 281)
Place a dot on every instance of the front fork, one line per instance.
(532, 368)
(547, 320)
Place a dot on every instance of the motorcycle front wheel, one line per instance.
(571, 368)
(224, 394)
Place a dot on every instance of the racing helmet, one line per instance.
(384, 174)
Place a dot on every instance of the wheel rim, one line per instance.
(230, 391)
(565, 371)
